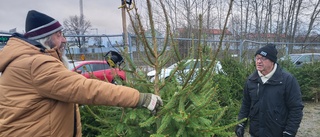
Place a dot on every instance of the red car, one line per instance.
(100, 70)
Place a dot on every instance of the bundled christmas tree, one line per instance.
(197, 102)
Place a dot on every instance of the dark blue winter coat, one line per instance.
(272, 107)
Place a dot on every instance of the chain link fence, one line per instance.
(95, 46)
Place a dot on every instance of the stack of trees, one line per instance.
(204, 106)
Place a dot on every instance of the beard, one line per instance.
(64, 58)
(62, 53)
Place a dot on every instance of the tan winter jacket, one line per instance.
(38, 94)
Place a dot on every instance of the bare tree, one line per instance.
(289, 18)
(76, 25)
(285, 19)
(313, 17)
(280, 19)
(296, 19)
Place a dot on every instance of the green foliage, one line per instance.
(237, 73)
(203, 103)
(90, 128)
(288, 66)
(113, 121)
(308, 76)
(206, 106)
(192, 110)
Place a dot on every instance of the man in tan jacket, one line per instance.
(38, 94)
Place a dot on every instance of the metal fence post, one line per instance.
(287, 49)
(241, 48)
(130, 45)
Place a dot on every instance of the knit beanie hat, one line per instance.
(39, 25)
(269, 51)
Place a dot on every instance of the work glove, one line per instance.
(150, 101)
(287, 134)
(239, 130)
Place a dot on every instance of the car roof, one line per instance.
(188, 60)
(76, 63)
(91, 61)
(305, 54)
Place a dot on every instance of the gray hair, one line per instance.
(48, 44)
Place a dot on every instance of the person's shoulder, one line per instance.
(286, 74)
(42, 57)
(253, 75)
(39, 59)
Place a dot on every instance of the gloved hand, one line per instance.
(240, 130)
(150, 101)
(287, 134)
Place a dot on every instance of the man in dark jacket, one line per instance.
(271, 99)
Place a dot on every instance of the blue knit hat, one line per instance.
(269, 51)
(39, 25)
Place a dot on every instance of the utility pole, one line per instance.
(124, 26)
(81, 8)
(81, 17)
(82, 41)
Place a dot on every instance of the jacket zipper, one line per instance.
(258, 90)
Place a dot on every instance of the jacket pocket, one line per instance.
(254, 126)
(274, 122)
(277, 116)
(254, 109)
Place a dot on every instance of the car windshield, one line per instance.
(77, 63)
(294, 57)
(190, 64)
(172, 66)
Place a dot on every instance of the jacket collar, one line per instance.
(32, 42)
(52, 52)
(276, 78)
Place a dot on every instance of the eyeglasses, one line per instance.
(60, 34)
(260, 58)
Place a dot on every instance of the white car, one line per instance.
(303, 58)
(165, 73)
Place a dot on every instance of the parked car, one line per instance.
(71, 63)
(165, 73)
(100, 69)
(299, 59)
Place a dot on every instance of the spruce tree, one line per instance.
(196, 105)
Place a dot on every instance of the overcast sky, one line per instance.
(103, 14)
